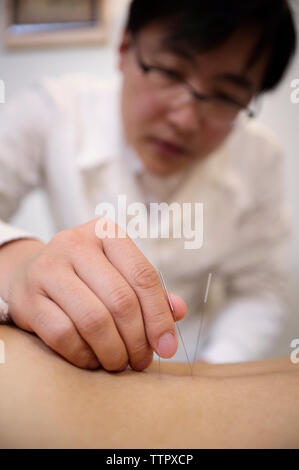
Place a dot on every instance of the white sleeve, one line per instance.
(256, 275)
(23, 128)
(244, 331)
(4, 315)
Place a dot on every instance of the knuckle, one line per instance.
(40, 319)
(145, 276)
(58, 238)
(123, 301)
(70, 238)
(117, 363)
(140, 351)
(93, 322)
(159, 319)
(60, 335)
(44, 264)
(158, 315)
(73, 239)
(82, 357)
(143, 363)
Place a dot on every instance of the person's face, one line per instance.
(150, 123)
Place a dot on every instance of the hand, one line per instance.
(94, 301)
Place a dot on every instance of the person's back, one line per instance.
(48, 403)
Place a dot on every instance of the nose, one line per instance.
(182, 114)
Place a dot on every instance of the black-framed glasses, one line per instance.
(171, 88)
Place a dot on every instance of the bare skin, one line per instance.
(47, 402)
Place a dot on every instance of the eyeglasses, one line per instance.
(173, 90)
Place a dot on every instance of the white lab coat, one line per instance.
(65, 135)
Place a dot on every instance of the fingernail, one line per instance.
(94, 364)
(167, 345)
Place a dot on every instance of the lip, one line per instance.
(169, 148)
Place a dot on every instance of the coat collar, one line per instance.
(101, 127)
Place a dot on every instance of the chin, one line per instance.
(163, 170)
(161, 165)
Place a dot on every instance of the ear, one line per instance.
(123, 47)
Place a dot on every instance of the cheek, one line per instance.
(148, 108)
(146, 113)
(140, 107)
(211, 137)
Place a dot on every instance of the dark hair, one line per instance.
(201, 25)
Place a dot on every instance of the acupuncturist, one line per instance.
(177, 127)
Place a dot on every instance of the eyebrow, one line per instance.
(236, 79)
(175, 48)
(240, 80)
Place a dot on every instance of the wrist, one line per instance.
(13, 255)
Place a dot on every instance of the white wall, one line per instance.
(282, 116)
(18, 69)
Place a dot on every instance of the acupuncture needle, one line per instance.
(172, 311)
(202, 318)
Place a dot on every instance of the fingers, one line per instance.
(179, 307)
(91, 318)
(114, 299)
(97, 301)
(145, 281)
(51, 324)
(121, 301)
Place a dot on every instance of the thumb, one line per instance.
(179, 306)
